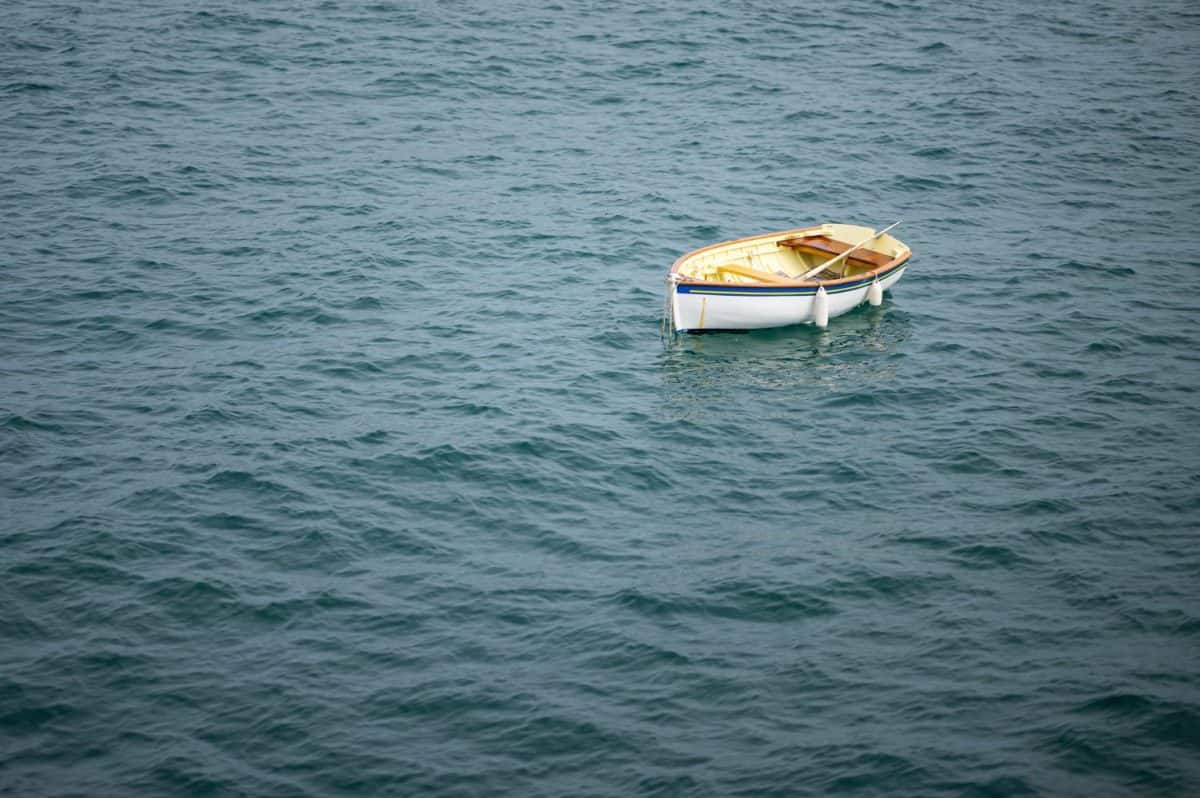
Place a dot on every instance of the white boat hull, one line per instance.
(710, 308)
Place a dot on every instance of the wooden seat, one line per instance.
(753, 274)
(821, 245)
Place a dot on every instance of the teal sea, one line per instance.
(340, 453)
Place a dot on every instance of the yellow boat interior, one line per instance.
(787, 256)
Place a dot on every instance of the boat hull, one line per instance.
(708, 307)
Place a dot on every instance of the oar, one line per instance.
(834, 260)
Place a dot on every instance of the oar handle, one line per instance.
(845, 254)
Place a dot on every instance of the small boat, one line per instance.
(804, 276)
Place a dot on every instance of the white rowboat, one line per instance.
(804, 276)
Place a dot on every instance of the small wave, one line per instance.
(1177, 727)
(733, 599)
(25, 424)
(246, 482)
(195, 598)
(28, 87)
(1118, 705)
(935, 153)
(322, 607)
(986, 556)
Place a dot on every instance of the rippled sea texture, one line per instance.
(340, 453)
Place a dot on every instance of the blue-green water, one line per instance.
(340, 454)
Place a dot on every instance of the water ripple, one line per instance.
(339, 451)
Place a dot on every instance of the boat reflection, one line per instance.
(861, 348)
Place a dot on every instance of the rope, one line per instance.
(667, 329)
(666, 325)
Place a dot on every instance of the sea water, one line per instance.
(340, 453)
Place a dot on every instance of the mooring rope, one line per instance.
(665, 326)
(667, 331)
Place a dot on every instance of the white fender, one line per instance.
(821, 308)
(875, 294)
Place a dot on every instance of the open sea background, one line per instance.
(340, 453)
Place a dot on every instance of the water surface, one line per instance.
(340, 454)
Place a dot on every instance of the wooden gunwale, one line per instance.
(781, 236)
